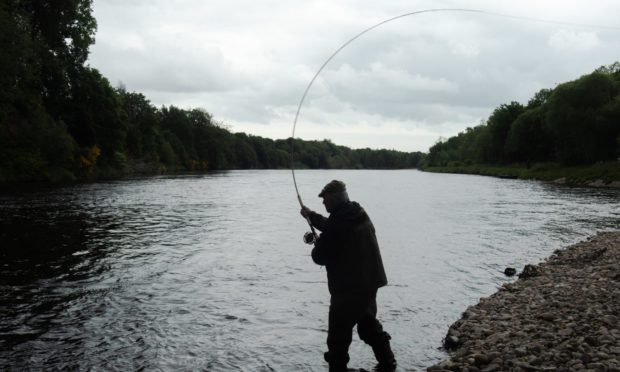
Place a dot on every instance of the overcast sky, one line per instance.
(401, 86)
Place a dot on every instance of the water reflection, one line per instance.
(47, 258)
(208, 272)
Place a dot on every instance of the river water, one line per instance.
(209, 272)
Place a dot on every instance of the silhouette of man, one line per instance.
(348, 248)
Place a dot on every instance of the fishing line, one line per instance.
(347, 43)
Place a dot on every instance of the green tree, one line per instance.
(540, 98)
(584, 119)
(61, 32)
(44, 44)
(94, 116)
(142, 123)
(498, 126)
(529, 139)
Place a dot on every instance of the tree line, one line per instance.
(60, 119)
(575, 123)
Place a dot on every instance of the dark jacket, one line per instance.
(349, 250)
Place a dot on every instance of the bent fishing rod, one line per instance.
(311, 236)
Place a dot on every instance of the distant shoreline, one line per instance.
(561, 315)
(596, 175)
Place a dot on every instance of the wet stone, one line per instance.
(529, 271)
(610, 320)
(481, 359)
(521, 351)
(547, 316)
(574, 362)
(451, 342)
(597, 366)
(592, 340)
(492, 368)
(602, 356)
(526, 366)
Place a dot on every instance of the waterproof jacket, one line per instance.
(349, 250)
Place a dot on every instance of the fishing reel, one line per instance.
(309, 237)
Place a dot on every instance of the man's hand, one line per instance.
(305, 211)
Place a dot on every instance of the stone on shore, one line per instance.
(560, 315)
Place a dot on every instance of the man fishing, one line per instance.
(348, 248)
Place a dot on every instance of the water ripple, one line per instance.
(208, 272)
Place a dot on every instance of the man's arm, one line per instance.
(316, 219)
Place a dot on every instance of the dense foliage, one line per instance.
(575, 123)
(62, 120)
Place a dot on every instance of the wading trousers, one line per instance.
(345, 311)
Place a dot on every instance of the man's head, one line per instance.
(333, 194)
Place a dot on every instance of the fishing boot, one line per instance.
(337, 363)
(337, 367)
(384, 355)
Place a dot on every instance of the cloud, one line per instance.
(574, 40)
(154, 68)
(432, 74)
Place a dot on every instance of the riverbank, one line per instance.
(596, 175)
(560, 315)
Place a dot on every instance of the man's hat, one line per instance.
(334, 186)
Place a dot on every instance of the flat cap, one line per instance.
(334, 186)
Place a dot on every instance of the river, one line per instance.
(209, 272)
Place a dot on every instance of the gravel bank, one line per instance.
(561, 315)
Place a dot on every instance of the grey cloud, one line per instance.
(512, 61)
(171, 69)
(249, 62)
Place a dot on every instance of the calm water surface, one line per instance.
(210, 273)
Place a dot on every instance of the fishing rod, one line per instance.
(311, 236)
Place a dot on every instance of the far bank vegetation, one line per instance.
(572, 130)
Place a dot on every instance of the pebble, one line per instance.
(560, 315)
(481, 359)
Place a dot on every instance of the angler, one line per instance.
(349, 250)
